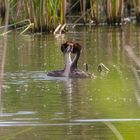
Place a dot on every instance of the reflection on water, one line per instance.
(36, 106)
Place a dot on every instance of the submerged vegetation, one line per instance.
(47, 15)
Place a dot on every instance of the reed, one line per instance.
(94, 10)
(113, 11)
(62, 11)
(37, 15)
(4, 50)
(136, 4)
(46, 15)
(110, 11)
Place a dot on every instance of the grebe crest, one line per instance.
(74, 46)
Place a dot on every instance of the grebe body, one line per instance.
(74, 71)
(70, 70)
(77, 73)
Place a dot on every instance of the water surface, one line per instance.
(34, 106)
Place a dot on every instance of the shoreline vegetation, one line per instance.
(55, 15)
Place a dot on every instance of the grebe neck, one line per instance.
(75, 60)
(68, 63)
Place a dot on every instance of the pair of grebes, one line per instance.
(71, 70)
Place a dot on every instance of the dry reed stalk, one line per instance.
(132, 55)
(4, 52)
(114, 130)
(138, 82)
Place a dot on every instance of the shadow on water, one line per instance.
(35, 106)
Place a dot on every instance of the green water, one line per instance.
(34, 106)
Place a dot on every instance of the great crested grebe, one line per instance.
(75, 49)
(65, 72)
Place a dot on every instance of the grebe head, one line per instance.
(74, 47)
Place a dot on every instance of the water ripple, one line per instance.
(17, 113)
(71, 123)
(106, 120)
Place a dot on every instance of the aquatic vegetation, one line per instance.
(46, 16)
